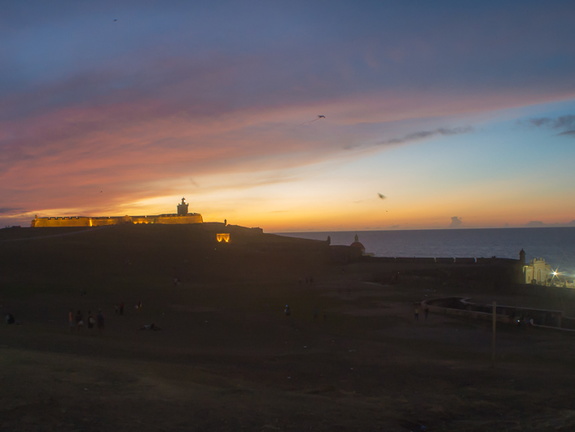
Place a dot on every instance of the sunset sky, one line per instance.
(458, 113)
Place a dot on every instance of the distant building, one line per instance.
(358, 245)
(183, 208)
(537, 272)
(182, 217)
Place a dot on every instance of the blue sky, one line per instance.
(449, 109)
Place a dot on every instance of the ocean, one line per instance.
(555, 245)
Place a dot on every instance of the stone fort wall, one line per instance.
(87, 221)
(181, 218)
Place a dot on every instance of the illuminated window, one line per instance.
(223, 237)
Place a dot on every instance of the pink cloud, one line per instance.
(122, 127)
(72, 153)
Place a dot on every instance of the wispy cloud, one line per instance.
(10, 210)
(416, 136)
(566, 123)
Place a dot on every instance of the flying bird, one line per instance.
(319, 117)
(382, 196)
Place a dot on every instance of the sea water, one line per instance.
(555, 245)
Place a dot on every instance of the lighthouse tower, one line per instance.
(183, 208)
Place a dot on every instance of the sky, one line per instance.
(290, 115)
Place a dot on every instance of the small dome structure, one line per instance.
(357, 244)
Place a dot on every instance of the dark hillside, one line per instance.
(33, 260)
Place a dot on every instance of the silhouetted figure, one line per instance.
(416, 312)
(79, 320)
(287, 310)
(71, 320)
(9, 318)
(91, 320)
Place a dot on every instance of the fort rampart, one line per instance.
(87, 221)
(181, 218)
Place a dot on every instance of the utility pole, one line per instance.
(494, 327)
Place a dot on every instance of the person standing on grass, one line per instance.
(91, 320)
(79, 320)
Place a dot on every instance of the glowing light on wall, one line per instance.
(223, 237)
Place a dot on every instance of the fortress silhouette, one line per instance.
(495, 271)
(179, 218)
